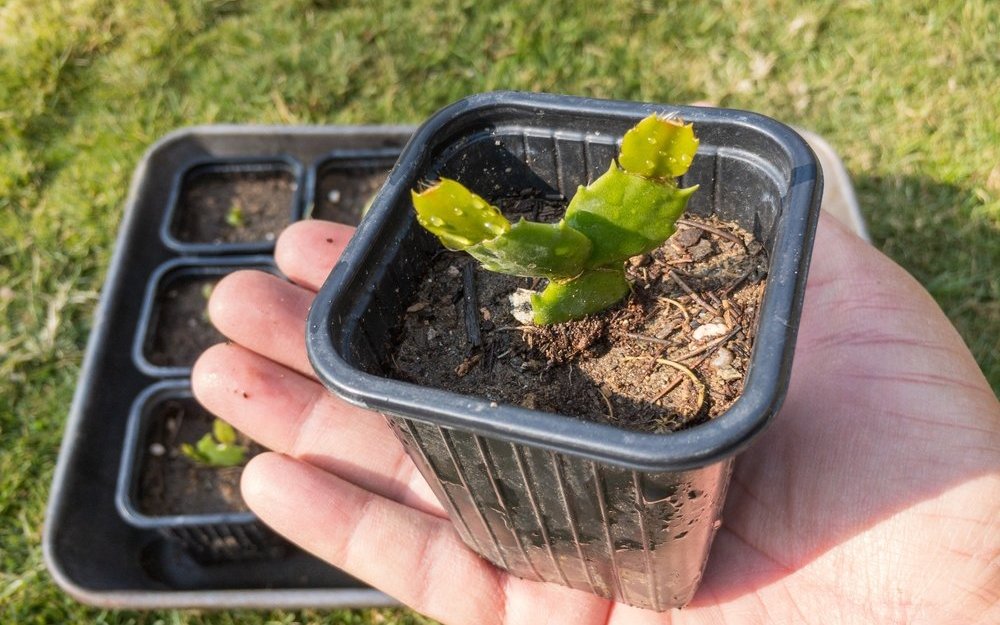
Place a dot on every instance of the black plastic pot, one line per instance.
(208, 538)
(353, 165)
(281, 166)
(171, 273)
(625, 515)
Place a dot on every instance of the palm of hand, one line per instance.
(873, 497)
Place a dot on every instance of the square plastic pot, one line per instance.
(208, 538)
(625, 515)
(165, 276)
(284, 165)
(353, 167)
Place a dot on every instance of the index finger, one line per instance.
(307, 250)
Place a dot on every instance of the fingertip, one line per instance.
(292, 238)
(254, 480)
(206, 374)
(307, 250)
(272, 481)
(228, 299)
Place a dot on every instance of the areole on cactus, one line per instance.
(629, 210)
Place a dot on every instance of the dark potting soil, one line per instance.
(671, 355)
(170, 483)
(234, 207)
(180, 329)
(343, 194)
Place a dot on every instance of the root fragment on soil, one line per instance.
(709, 347)
(706, 228)
(680, 306)
(685, 371)
(607, 402)
(697, 298)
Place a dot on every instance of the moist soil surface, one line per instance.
(180, 329)
(234, 207)
(170, 483)
(343, 194)
(672, 354)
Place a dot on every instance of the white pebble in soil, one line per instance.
(709, 330)
(333, 196)
(520, 305)
(723, 358)
(157, 450)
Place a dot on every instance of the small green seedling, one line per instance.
(235, 216)
(630, 210)
(217, 448)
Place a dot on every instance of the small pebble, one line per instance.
(333, 196)
(709, 330)
(431, 334)
(157, 450)
(453, 271)
(417, 307)
(686, 237)
(723, 358)
(520, 304)
(729, 373)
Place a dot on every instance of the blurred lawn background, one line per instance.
(907, 92)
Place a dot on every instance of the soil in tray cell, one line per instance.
(180, 330)
(234, 207)
(170, 483)
(342, 195)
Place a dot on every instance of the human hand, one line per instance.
(874, 496)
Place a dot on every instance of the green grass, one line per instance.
(906, 91)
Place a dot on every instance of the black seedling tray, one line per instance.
(90, 549)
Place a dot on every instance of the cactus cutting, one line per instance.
(629, 210)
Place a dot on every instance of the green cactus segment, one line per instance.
(224, 433)
(457, 216)
(535, 250)
(624, 214)
(658, 148)
(217, 448)
(591, 292)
